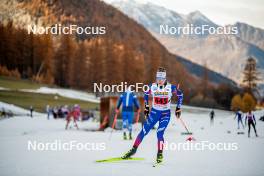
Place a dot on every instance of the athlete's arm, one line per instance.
(179, 94)
(254, 119)
(236, 115)
(146, 95)
(146, 100)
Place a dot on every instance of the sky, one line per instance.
(222, 12)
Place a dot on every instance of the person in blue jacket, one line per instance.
(239, 115)
(128, 100)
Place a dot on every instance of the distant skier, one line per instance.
(65, 111)
(250, 119)
(128, 99)
(31, 109)
(239, 115)
(3, 113)
(212, 114)
(48, 111)
(55, 112)
(74, 114)
(161, 92)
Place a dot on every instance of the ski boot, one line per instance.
(130, 153)
(159, 157)
(130, 135)
(124, 136)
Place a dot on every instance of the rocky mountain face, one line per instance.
(225, 53)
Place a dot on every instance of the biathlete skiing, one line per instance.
(161, 92)
(74, 114)
(250, 119)
(239, 115)
(128, 100)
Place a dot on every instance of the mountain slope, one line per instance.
(199, 71)
(140, 48)
(225, 54)
(250, 34)
(151, 16)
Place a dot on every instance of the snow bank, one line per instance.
(2, 88)
(15, 109)
(66, 93)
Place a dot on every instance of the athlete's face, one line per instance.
(160, 81)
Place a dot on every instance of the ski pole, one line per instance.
(114, 122)
(182, 122)
(137, 119)
(190, 138)
(113, 125)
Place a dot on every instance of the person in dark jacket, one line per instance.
(250, 119)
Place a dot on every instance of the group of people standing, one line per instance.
(69, 113)
(250, 120)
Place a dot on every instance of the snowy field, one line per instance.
(75, 94)
(17, 160)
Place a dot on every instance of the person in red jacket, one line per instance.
(74, 114)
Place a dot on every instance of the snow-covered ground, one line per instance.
(16, 110)
(16, 159)
(69, 93)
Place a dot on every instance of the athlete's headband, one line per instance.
(161, 75)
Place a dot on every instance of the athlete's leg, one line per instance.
(125, 120)
(163, 123)
(242, 123)
(249, 124)
(125, 124)
(68, 119)
(130, 122)
(254, 127)
(75, 122)
(147, 126)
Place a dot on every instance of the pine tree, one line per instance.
(250, 75)
(80, 68)
(204, 85)
(63, 61)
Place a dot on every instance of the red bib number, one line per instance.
(160, 101)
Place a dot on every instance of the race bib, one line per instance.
(161, 101)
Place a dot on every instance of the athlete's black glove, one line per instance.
(146, 110)
(178, 112)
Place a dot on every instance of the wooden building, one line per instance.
(107, 110)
